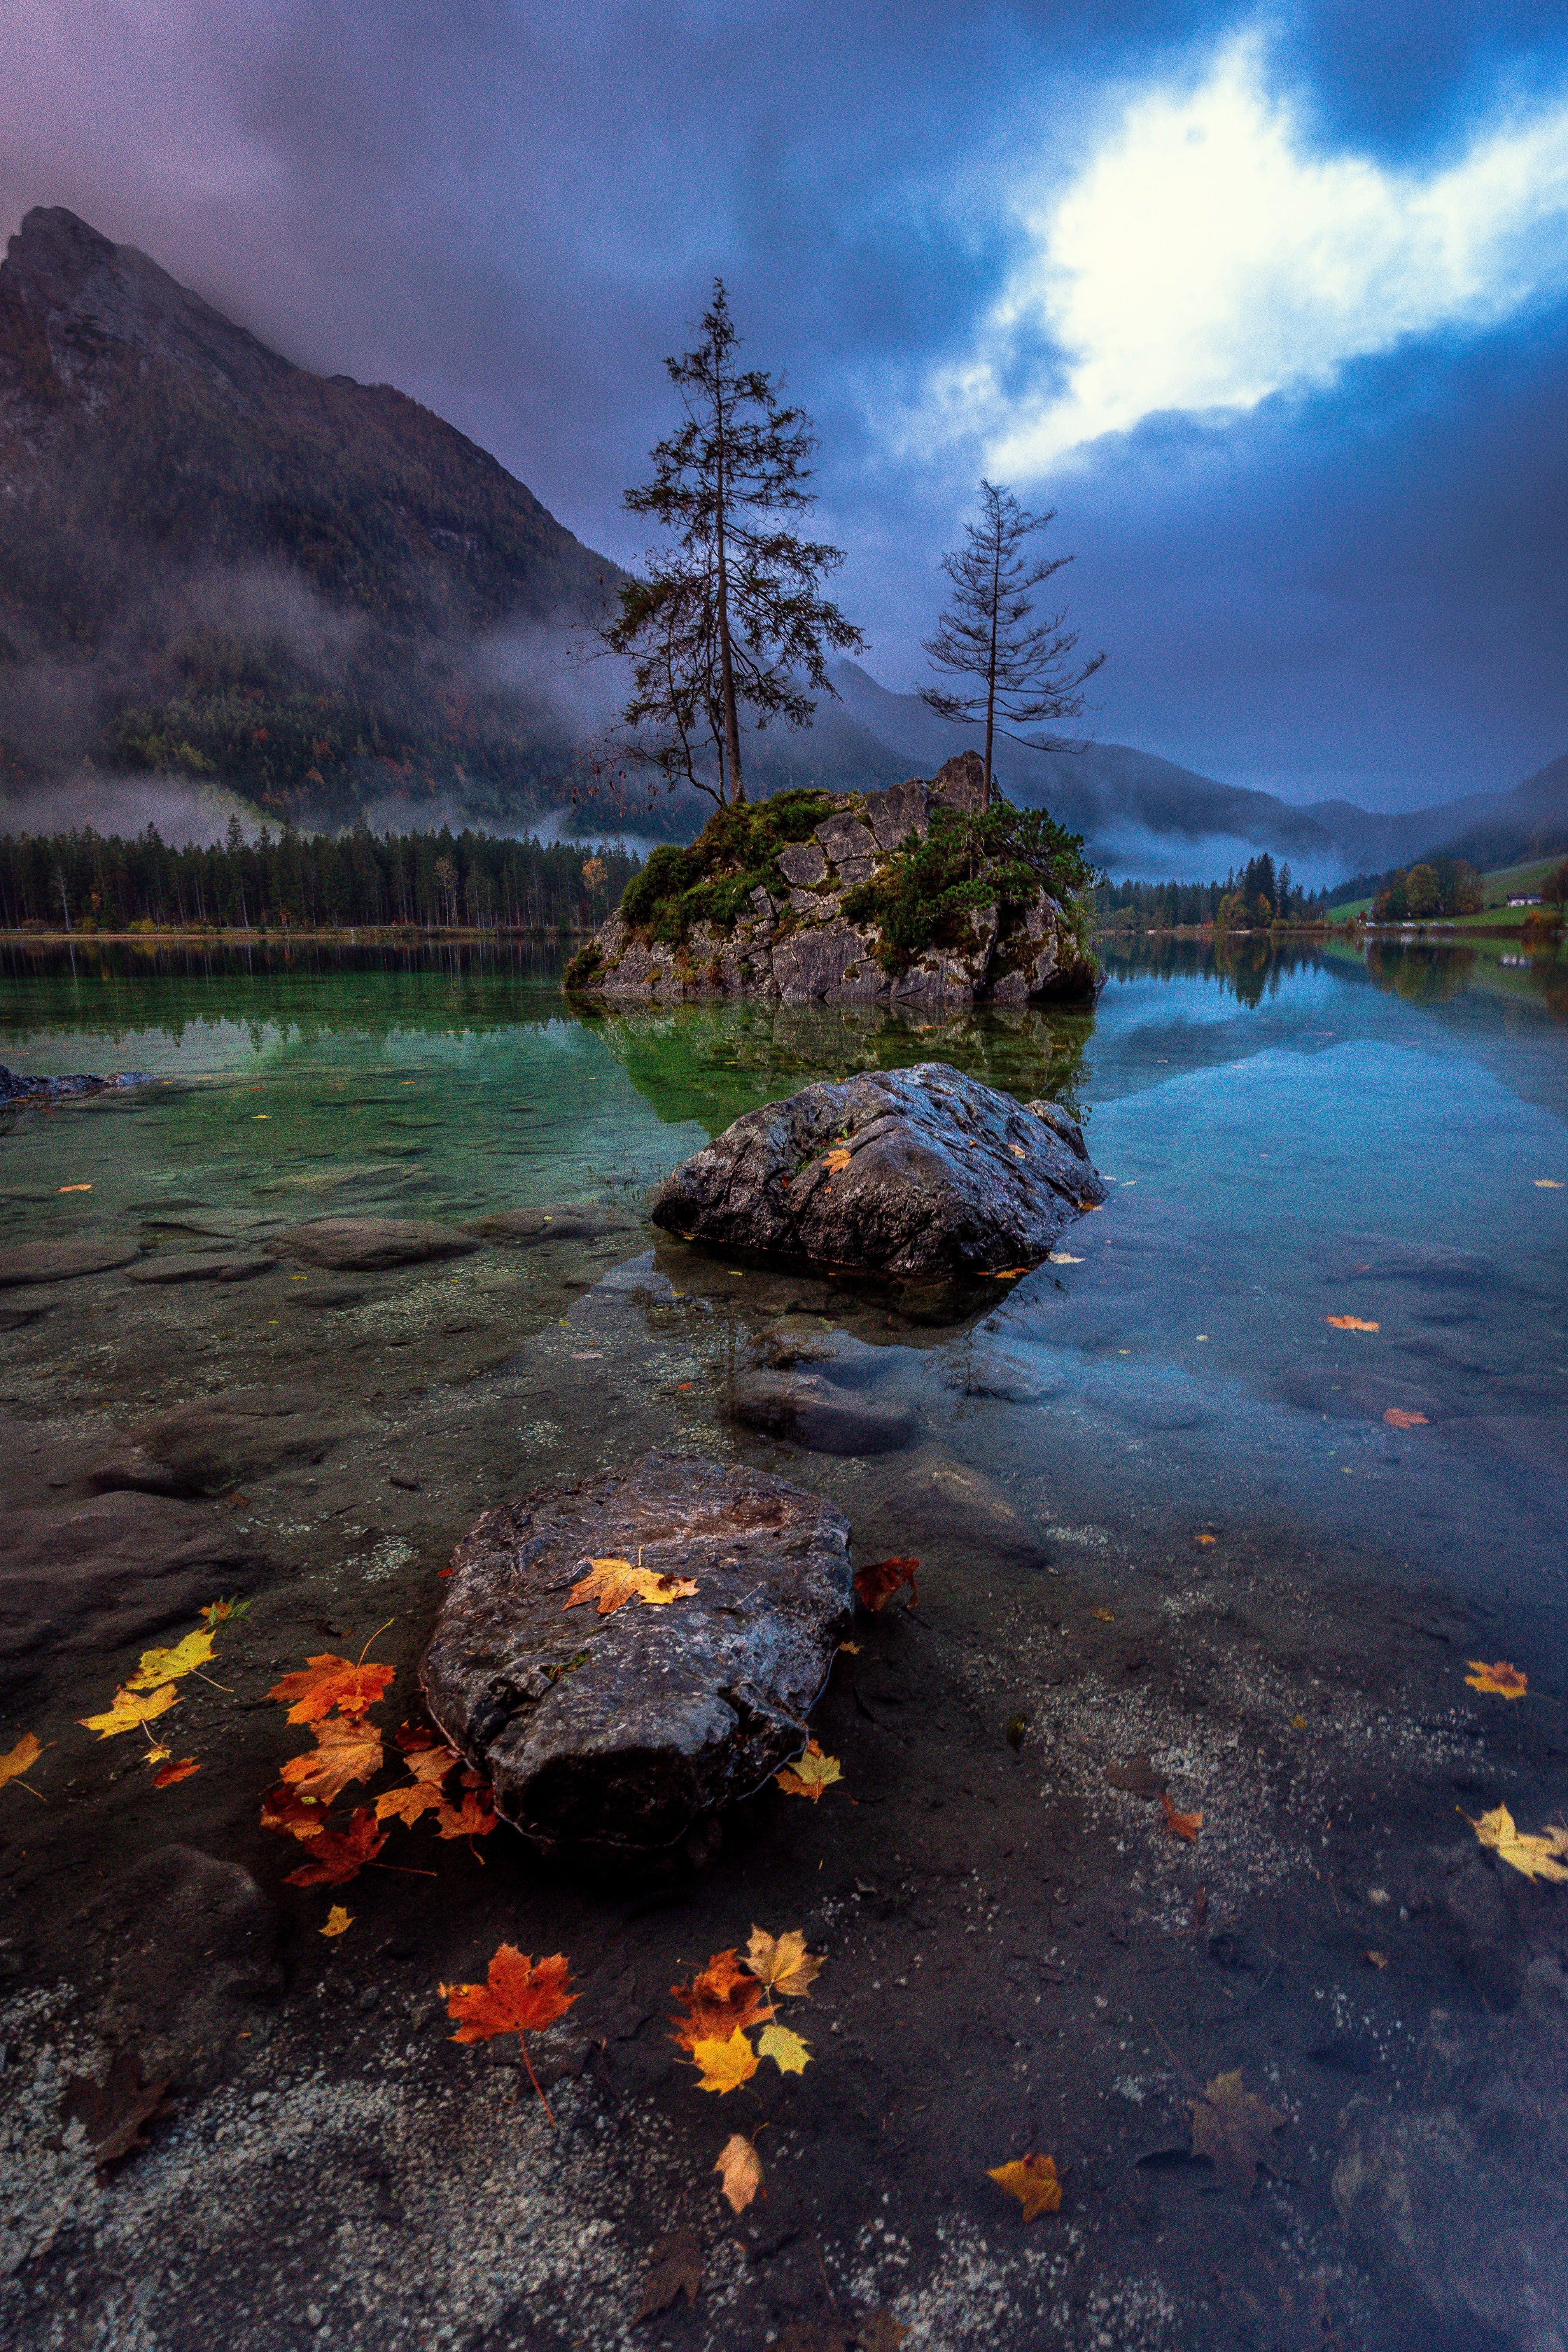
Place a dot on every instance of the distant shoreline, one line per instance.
(375, 935)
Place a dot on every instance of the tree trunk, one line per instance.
(726, 664)
(990, 673)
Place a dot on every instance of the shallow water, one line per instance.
(1160, 1510)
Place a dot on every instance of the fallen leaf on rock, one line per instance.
(789, 2053)
(338, 1856)
(836, 1159)
(346, 1750)
(131, 1711)
(21, 1757)
(1007, 1272)
(1032, 2180)
(1234, 2129)
(167, 1666)
(783, 1962)
(1397, 1418)
(724, 2065)
(1534, 1855)
(613, 1582)
(1375, 1959)
(722, 1998)
(809, 1774)
(218, 1612)
(1350, 1323)
(515, 1998)
(1503, 1681)
(877, 1582)
(324, 1682)
(288, 1815)
(339, 1921)
(676, 2263)
(1181, 1825)
(171, 1773)
(1106, 1616)
(112, 2113)
(1137, 1775)
(740, 2172)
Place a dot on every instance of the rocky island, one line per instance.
(915, 895)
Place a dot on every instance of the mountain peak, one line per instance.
(94, 300)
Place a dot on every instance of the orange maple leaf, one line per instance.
(407, 1803)
(325, 1682)
(1503, 1680)
(348, 1750)
(286, 1814)
(1032, 2180)
(475, 1817)
(173, 1772)
(1350, 1323)
(875, 1583)
(338, 1856)
(1181, 1825)
(613, 1582)
(426, 1757)
(1397, 1418)
(809, 1774)
(722, 1998)
(515, 1998)
(836, 1159)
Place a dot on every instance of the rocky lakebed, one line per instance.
(1144, 1844)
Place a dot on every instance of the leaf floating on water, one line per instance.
(1397, 1418)
(675, 2263)
(875, 1583)
(1534, 1855)
(1350, 1323)
(131, 1711)
(339, 1922)
(171, 1773)
(324, 1682)
(1503, 1681)
(809, 1774)
(1032, 2180)
(1234, 2130)
(740, 2172)
(613, 1582)
(723, 2066)
(1181, 1825)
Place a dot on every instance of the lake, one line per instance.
(1239, 1483)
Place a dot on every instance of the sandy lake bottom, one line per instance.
(1176, 1528)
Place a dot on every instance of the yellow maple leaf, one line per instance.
(130, 1712)
(1032, 2180)
(347, 1748)
(834, 1161)
(789, 2053)
(783, 1962)
(613, 1582)
(741, 2171)
(1502, 1680)
(1533, 1855)
(168, 1666)
(339, 1921)
(724, 2065)
(24, 1754)
(809, 1774)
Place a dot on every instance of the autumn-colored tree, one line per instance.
(728, 617)
(1023, 670)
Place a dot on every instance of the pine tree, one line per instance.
(1023, 667)
(728, 618)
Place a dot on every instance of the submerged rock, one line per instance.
(16, 1087)
(214, 1443)
(570, 1221)
(914, 1172)
(201, 1265)
(63, 1261)
(191, 1944)
(818, 1413)
(370, 1245)
(618, 1732)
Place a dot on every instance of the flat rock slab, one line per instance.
(370, 1245)
(815, 1413)
(615, 1733)
(202, 1265)
(214, 1443)
(16, 1087)
(570, 1223)
(63, 1261)
(92, 1579)
(909, 1174)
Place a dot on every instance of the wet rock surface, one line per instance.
(943, 1177)
(618, 1732)
(191, 1947)
(214, 1443)
(26, 1262)
(571, 1222)
(370, 1245)
(810, 1410)
(171, 1267)
(17, 1086)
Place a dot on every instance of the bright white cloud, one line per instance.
(1204, 257)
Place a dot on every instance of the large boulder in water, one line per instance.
(910, 1173)
(616, 1732)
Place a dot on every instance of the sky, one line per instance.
(1271, 307)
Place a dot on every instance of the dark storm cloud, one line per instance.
(515, 213)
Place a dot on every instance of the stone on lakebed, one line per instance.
(909, 1174)
(616, 1733)
(370, 1245)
